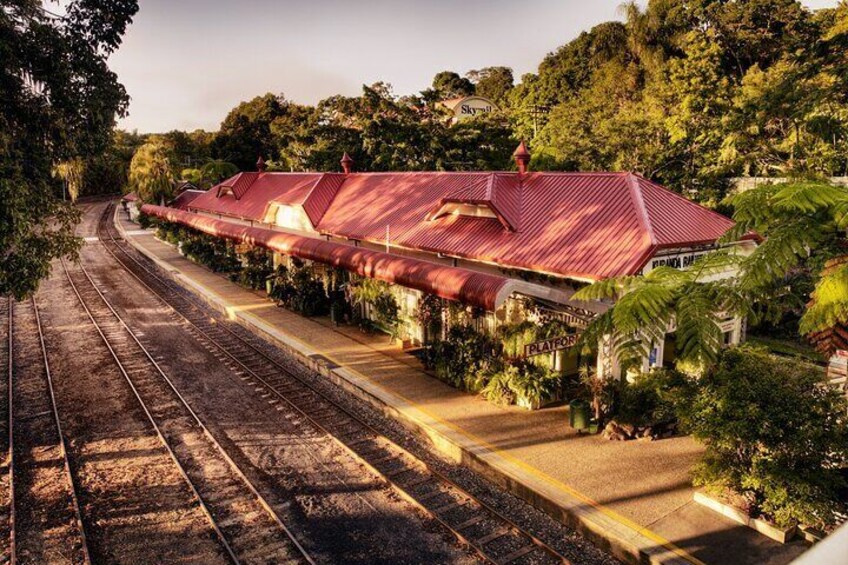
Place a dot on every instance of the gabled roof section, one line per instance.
(255, 197)
(185, 198)
(237, 185)
(321, 195)
(498, 194)
(673, 219)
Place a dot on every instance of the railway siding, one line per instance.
(247, 526)
(47, 524)
(135, 505)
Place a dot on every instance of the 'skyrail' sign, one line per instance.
(550, 345)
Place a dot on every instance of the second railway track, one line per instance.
(46, 525)
(246, 524)
(495, 538)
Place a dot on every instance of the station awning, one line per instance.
(453, 283)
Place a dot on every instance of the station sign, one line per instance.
(675, 260)
(550, 345)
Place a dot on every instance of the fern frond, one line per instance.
(718, 262)
(644, 309)
(699, 336)
(599, 327)
(786, 246)
(807, 197)
(751, 208)
(610, 288)
(830, 302)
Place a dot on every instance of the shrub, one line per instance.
(257, 269)
(652, 399)
(429, 315)
(300, 290)
(465, 358)
(145, 220)
(521, 379)
(378, 294)
(775, 432)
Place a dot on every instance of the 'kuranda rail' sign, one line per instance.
(550, 345)
(675, 261)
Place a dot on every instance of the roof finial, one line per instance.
(522, 157)
(347, 163)
(260, 164)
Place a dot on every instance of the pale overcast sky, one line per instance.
(185, 63)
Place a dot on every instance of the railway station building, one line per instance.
(512, 246)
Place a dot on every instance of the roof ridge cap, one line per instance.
(490, 188)
(641, 209)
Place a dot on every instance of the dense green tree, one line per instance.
(213, 172)
(493, 83)
(59, 103)
(448, 84)
(382, 133)
(775, 433)
(151, 175)
(107, 172)
(245, 133)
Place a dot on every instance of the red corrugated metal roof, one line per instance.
(186, 197)
(582, 225)
(473, 288)
(264, 188)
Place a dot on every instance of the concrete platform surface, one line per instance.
(633, 498)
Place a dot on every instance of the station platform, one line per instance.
(632, 498)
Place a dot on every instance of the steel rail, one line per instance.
(416, 461)
(62, 441)
(195, 493)
(11, 439)
(234, 467)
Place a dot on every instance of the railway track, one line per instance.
(6, 533)
(45, 517)
(494, 537)
(246, 524)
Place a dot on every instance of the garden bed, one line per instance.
(738, 515)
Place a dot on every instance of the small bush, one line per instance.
(300, 290)
(521, 379)
(257, 269)
(466, 357)
(775, 433)
(652, 399)
(145, 220)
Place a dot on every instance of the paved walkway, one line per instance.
(631, 497)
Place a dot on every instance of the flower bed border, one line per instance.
(781, 535)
